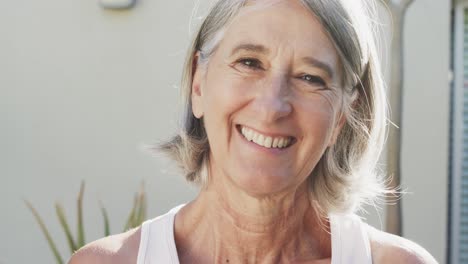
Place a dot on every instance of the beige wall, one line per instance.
(426, 124)
(82, 89)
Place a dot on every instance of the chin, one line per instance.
(262, 183)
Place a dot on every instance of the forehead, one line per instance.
(281, 24)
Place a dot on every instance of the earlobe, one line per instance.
(196, 89)
(337, 129)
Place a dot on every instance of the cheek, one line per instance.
(225, 92)
(223, 97)
(318, 117)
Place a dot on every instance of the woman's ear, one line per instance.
(197, 92)
(337, 129)
(342, 117)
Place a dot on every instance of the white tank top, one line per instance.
(350, 243)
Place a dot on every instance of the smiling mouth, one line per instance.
(277, 142)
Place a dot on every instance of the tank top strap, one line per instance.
(157, 243)
(350, 241)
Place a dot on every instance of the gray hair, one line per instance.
(346, 176)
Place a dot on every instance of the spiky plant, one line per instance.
(136, 216)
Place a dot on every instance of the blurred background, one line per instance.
(84, 89)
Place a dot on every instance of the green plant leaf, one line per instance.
(63, 222)
(131, 216)
(141, 213)
(106, 220)
(51, 243)
(80, 227)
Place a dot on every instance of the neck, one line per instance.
(224, 224)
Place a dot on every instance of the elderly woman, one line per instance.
(284, 122)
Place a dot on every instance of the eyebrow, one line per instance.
(319, 64)
(262, 49)
(250, 47)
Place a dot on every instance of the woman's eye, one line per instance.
(251, 63)
(313, 79)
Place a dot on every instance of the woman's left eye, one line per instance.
(313, 79)
(250, 63)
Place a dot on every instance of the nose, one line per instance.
(273, 100)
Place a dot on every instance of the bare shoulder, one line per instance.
(388, 248)
(115, 249)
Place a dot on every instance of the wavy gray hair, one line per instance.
(346, 176)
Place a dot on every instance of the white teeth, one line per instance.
(280, 142)
(275, 142)
(249, 135)
(254, 137)
(265, 141)
(260, 140)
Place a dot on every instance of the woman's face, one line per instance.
(270, 97)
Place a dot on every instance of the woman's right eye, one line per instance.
(250, 63)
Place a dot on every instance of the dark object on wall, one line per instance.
(117, 4)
